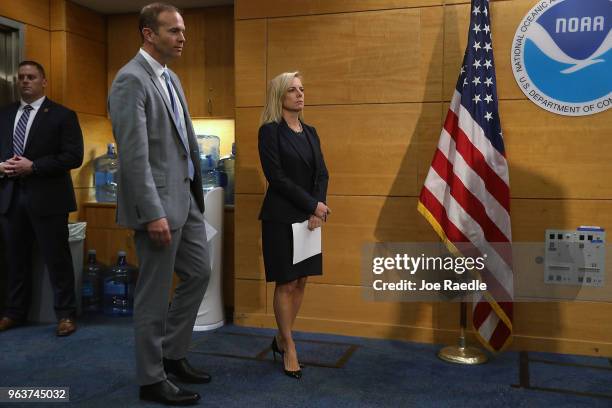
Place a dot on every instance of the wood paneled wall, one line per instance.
(378, 76)
(31, 12)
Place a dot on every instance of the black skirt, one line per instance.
(277, 245)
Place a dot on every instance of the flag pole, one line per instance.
(461, 353)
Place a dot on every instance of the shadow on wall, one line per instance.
(412, 316)
(530, 219)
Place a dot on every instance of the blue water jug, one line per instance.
(119, 288)
(226, 172)
(210, 174)
(105, 169)
(91, 290)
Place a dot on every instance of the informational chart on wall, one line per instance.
(575, 257)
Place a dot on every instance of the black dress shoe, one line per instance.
(185, 372)
(168, 393)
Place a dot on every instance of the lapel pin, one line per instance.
(46, 110)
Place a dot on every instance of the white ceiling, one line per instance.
(129, 6)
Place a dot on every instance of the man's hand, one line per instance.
(159, 232)
(314, 222)
(17, 166)
(322, 210)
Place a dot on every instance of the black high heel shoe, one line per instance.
(293, 374)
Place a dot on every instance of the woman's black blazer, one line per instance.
(294, 190)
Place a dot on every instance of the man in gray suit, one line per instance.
(160, 197)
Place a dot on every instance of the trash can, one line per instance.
(41, 308)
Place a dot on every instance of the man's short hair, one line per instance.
(38, 66)
(149, 16)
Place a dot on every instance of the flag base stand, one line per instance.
(462, 354)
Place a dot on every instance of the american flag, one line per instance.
(466, 195)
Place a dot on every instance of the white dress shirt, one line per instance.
(158, 70)
(35, 107)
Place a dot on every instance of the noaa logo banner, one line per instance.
(562, 56)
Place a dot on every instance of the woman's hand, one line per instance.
(314, 222)
(322, 210)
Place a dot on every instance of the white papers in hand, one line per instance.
(306, 243)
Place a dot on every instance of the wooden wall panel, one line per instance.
(37, 47)
(249, 177)
(68, 16)
(58, 66)
(505, 17)
(78, 72)
(219, 48)
(101, 215)
(33, 12)
(373, 149)
(85, 88)
(57, 15)
(431, 52)
(566, 321)
(85, 22)
(123, 42)
(248, 260)
(246, 9)
(531, 217)
(364, 63)
(554, 156)
(250, 296)
(107, 242)
(190, 67)
(250, 59)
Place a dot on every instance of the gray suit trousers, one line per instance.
(163, 332)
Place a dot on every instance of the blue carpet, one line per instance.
(97, 364)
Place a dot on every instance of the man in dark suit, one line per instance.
(40, 142)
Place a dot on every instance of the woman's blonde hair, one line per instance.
(277, 88)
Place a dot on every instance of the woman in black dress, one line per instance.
(292, 161)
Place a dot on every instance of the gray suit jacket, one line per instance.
(153, 177)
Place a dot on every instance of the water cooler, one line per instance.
(210, 314)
